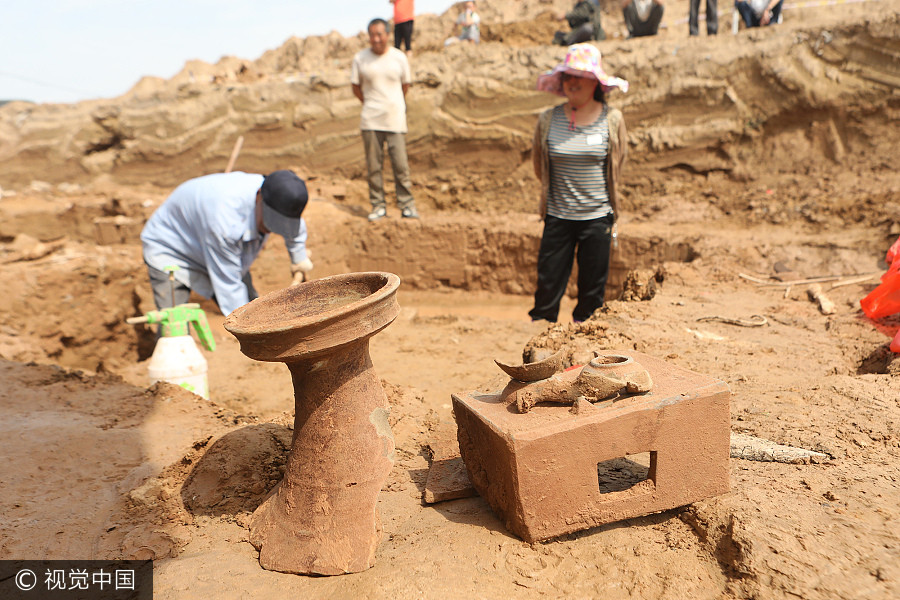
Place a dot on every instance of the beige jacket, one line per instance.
(618, 149)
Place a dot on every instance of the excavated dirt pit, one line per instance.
(194, 471)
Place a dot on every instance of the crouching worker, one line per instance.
(642, 17)
(759, 13)
(584, 19)
(213, 227)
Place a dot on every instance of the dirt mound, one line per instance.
(773, 111)
(238, 470)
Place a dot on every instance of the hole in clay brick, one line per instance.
(620, 474)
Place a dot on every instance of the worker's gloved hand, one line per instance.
(300, 271)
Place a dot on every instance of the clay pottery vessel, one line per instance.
(535, 371)
(321, 518)
(604, 376)
(609, 373)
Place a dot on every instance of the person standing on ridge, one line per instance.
(213, 227)
(469, 25)
(381, 77)
(404, 14)
(712, 17)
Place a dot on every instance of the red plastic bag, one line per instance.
(884, 300)
(893, 259)
(893, 253)
(895, 344)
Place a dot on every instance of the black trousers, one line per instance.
(403, 33)
(712, 17)
(562, 242)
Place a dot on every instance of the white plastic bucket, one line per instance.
(178, 360)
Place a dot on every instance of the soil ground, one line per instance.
(98, 465)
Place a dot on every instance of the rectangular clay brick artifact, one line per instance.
(548, 472)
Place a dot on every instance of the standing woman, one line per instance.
(404, 14)
(579, 149)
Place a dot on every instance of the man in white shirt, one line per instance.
(380, 77)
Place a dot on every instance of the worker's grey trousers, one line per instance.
(165, 291)
(374, 142)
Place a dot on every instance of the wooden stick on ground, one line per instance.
(753, 321)
(836, 278)
(852, 281)
(753, 279)
(802, 281)
(234, 153)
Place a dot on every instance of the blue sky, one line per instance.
(71, 50)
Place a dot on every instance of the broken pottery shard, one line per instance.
(447, 477)
(448, 480)
(582, 407)
(603, 377)
(442, 442)
(534, 371)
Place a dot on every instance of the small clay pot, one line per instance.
(635, 378)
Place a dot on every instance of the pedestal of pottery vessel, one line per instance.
(322, 518)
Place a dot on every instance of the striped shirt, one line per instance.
(578, 168)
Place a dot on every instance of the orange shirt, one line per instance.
(403, 11)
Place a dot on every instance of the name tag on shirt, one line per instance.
(594, 139)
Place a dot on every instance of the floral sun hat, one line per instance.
(580, 59)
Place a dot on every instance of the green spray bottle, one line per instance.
(176, 358)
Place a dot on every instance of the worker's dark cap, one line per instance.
(284, 197)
